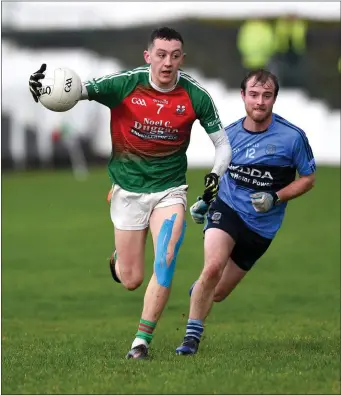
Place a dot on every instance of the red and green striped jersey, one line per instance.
(150, 130)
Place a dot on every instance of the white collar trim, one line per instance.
(163, 90)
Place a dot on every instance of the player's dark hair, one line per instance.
(261, 76)
(165, 33)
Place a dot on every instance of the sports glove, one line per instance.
(199, 210)
(264, 201)
(211, 188)
(34, 83)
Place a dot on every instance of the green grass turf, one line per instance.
(66, 326)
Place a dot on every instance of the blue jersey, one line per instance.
(264, 161)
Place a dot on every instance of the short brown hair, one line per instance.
(262, 76)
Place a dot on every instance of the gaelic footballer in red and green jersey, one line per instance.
(150, 127)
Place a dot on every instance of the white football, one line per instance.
(61, 91)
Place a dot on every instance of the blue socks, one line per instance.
(195, 328)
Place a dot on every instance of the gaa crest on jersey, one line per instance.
(216, 217)
(180, 109)
(270, 149)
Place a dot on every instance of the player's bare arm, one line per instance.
(297, 188)
(265, 201)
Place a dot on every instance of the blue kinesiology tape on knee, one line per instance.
(164, 273)
(160, 264)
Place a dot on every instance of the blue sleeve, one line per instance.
(303, 157)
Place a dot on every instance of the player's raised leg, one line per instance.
(130, 247)
(218, 247)
(131, 228)
(231, 277)
(167, 225)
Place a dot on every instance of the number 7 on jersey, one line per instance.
(160, 107)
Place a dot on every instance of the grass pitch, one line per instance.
(66, 326)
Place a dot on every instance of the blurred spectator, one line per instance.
(255, 43)
(290, 44)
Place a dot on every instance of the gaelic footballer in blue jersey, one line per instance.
(268, 153)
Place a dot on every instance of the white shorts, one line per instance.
(131, 211)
